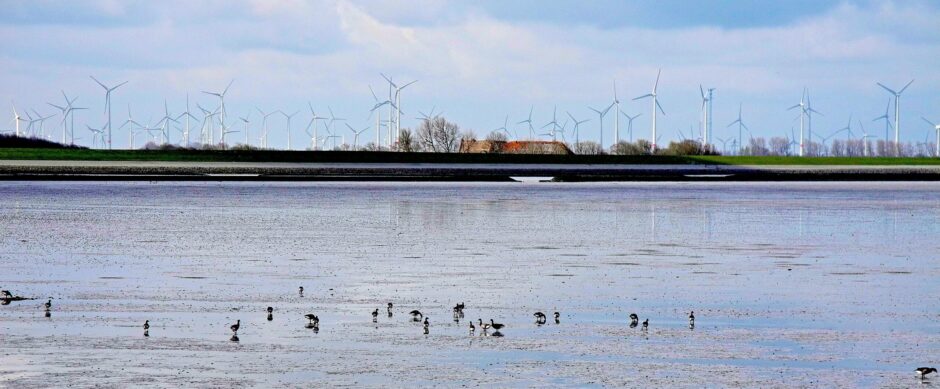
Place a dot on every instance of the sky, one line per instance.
(477, 62)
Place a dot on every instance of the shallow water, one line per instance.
(793, 284)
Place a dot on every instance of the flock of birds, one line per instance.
(417, 316)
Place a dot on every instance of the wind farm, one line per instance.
(355, 193)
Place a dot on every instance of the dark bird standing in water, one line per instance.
(472, 328)
(48, 305)
(236, 326)
(7, 294)
(483, 326)
(415, 315)
(496, 326)
(426, 325)
(270, 309)
(313, 319)
(557, 315)
(692, 318)
(540, 318)
(146, 325)
(634, 320)
(646, 323)
(923, 371)
(301, 291)
(375, 315)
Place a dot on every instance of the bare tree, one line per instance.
(496, 136)
(779, 146)
(438, 135)
(588, 148)
(406, 141)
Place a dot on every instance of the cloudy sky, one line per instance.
(480, 61)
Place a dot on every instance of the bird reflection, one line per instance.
(146, 333)
(48, 314)
(234, 338)
(270, 316)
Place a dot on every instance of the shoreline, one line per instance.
(65, 170)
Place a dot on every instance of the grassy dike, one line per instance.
(394, 157)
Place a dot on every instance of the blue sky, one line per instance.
(480, 61)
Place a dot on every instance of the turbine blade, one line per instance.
(886, 88)
(905, 87)
(644, 96)
(660, 108)
(656, 85)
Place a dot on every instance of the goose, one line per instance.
(539, 317)
(389, 307)
(415, 314)
(236, 326)
(375, 314)
(146, 325)
(634, 318)
(313, 319)
(483, 326)
(496, 326)
(646, 323)
(472, 328)
(270, 310)
(301, 291)
(923, 371)
(48, 305)
(692, 318)
(7, 294)
(426, 322)
(557, 315)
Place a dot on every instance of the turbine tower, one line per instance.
(17, 118)
(802, 107)
(707, 112)
(886, 119)
(897, 114)
(107, 106)
(616, 117)
(655, 106)
(289, 117)
(741, 125)
(221, 96)
(630, 123)
(600, 121)
(576, 129)
(937, 128)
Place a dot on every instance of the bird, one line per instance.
(472, 328)
(557, 315)
(496, 326)
(923, 371)
(48, 305)
(483, 326)
(7, 294)
(236, 326)
(389, 307)
(539, 317)
(375, 314)
(634, 319)
(646, 323)
(415, 314)
(692, 318)
(270, 309)
(313, 318)
(146, 325)
(301, 291)
(426, 322)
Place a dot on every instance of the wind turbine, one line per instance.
(655, 106)
(41, 119)
(600, 121)
(378, 118)
(130, 132)
(188, 116)
(17, 118)
(897, 113)
(886, 119)
(630, 123)
(809, 116)
(707, 113)
(107, 103)
(616, 117)
(529, 122)
(741, 125)
(802, 107)
(553, 123)
(313, 123)
(70, 114)
(356, 137)
(164, 123)
(397, 101)
(245, 120)
(937, 128)
(264, 127)
(503, 128)
(576, 128)
(64, 111)
(865, 137)
(288, 117)
(221, 96)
